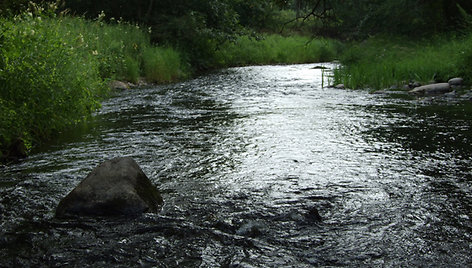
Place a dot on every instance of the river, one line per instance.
(258, 167)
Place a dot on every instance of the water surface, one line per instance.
(258, 167)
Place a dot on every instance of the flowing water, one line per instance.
(258, 167)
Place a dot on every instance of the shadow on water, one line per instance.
(258, 167)
(434, 128)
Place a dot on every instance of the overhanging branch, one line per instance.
(322, 14)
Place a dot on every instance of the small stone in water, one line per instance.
(313, 215)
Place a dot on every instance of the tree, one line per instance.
(360, 18)
(197, 27)
(14, 7)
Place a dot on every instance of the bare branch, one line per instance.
(323, 14)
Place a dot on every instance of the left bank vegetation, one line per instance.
(59, 57)
(55, 70)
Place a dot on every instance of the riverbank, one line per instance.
(55, 70)
(275, 49)
(386, 62)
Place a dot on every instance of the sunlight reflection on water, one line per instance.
(246, 158)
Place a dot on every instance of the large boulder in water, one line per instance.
(117, 187)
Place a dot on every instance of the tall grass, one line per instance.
(47, 80)
(381, 62)
(53, 71)
(274, 49)
(163, 65)
(124, 51)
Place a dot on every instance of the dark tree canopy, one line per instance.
(405, 17)
(198, 27)
(182, 21)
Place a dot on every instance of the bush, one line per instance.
(47, 80)
(53, 70)
(116, 46)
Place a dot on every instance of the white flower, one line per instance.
(101, 15)
(81, 38)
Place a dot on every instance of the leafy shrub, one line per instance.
(116, 46)
(47, 80)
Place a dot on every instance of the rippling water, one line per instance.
(258, 167)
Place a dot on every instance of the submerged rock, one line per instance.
(451, 95)
(313, 215)
(467, 96)
(251, 229)
(432, 89)
(117, 187)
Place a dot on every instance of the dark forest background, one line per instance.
(184, 20)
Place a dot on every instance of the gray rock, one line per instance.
(432, 89)
(415, 84)
(117, 187)
(467, 95)
(340, 86)
(142, 82)
(251, 229)
(451, 95)
(456, 81)
(118, 85)
(313, 215)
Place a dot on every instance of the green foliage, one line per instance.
(194, 26)
(256, 14)
(359, 19)
(116, 46)
(53, 70)
(273, 49)
(47, 80)
(464, 63)
(362, 18)
(163, 65)
(380, 63)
